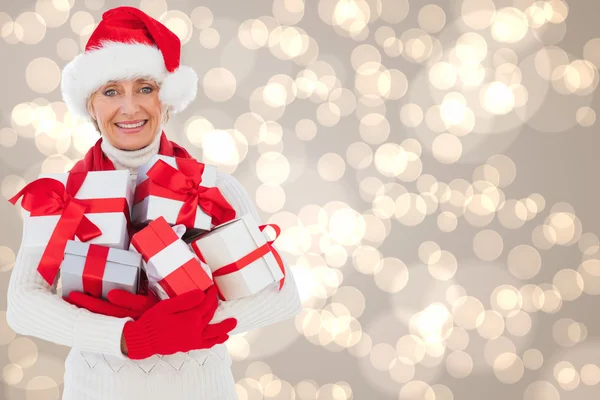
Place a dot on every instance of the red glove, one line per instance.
(120, 303)
(217, 333)
(177, 324)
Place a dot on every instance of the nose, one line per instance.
(129, 105)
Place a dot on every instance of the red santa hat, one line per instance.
(127, 44)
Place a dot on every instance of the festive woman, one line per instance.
(127, 82)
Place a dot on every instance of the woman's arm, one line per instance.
(34, 309)
(270, 305)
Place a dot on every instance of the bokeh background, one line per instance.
(432, 163)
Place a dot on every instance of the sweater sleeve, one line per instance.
(35, 309)
(270, 305)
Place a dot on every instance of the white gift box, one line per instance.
(171, 266)
(97, 185)
(121, 271)
(228, 243)
(151, 207)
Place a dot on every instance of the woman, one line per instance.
(127, 81)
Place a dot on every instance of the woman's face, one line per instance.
(128, 112)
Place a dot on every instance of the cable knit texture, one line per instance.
(95, 367)
(130, 159)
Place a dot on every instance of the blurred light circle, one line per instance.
(8, 137)
(42, 388)
(34, 27)
(510, 25)
(209, 38)
(54, 13)
(586, 116)
(541, 390)
(42, 75)
(12, 374)
(392, 276)
(459, 364)
(11, 184)
(432, 18)
(533, 359)
(179, 23)
(393, 11)
(82, 22)
(154, 8)
(57, 164)
(359, 155)
(416, 389)
(253, 34)
(478, 14)
(306, 129)
(202, 17)
(219, 84)
(331, 167)
(67, 49)
(328, 114)
(273, 168)
(23, 351)
(508, 368)
(447, 148)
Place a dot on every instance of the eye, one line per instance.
(147, 89)
(110, 92)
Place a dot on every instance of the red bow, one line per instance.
(48, 196)
(183, 184)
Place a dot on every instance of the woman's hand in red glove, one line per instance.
(136, 303)
(218, 333)
(120, 303)
(176, 324)
(96, 305)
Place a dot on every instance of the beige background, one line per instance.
(432, 165)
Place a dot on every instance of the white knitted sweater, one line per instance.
(95, 368)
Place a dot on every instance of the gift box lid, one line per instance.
(259, 237)
(154, 237)
(116, 256)
(100, 185)
(250, 223)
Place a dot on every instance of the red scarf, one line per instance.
(96, 160)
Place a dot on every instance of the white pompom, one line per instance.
(179, 88)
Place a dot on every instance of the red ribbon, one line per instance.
(183, 184)
(46, 196)
(93, 269)
(188, 277)
(250, 257)
(154, 238)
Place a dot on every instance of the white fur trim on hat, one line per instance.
(117, 61)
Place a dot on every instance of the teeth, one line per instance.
(131, 125)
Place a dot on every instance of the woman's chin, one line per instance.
(133, 141)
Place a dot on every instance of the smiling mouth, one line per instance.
(132, 126)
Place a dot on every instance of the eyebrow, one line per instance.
(138, 80)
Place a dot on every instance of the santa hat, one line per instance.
(127, 44)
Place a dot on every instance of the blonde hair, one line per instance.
(164, 108)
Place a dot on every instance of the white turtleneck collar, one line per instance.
(130, 159)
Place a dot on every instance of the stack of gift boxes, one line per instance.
(184, 234)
